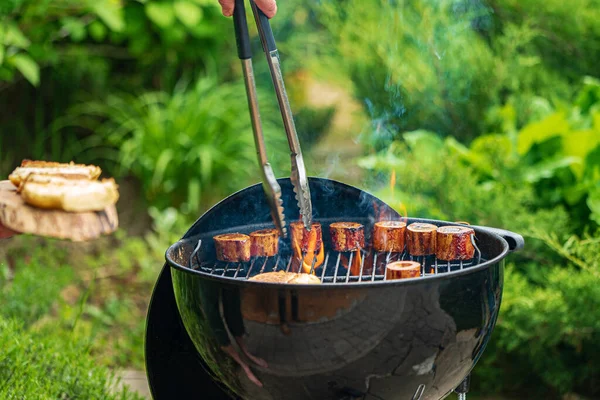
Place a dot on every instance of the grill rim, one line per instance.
(433, 278)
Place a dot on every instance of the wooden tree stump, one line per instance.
(15, 214)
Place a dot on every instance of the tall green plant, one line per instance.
(188, 148)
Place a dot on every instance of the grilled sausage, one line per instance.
(389, 236)
(232, 247)
(307, 241)
(347, 236)
(402, 270)
(420, 238)
(454, 243)
(264, 243)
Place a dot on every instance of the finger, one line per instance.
(257, 360)
(251, 375)
(269, 7)
(227, 7)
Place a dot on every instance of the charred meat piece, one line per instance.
(347, 236)
(232, 247)
(454, 243)
(306, 241)
(264, 243)
(420, 239)
(402, 270)
(389, 236)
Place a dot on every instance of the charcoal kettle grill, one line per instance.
(351, 337)
(214, 334)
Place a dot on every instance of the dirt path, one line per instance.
(334, 156)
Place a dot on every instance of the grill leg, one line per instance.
(463, 388)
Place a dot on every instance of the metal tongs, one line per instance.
(298, 171)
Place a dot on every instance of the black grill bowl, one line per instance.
(369, 340)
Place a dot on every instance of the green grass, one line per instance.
(47, 364)
(95, 293)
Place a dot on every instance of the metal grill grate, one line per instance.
(335, 267)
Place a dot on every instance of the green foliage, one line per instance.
(73, 51)
(548, 164)
(442, 65)
(545, 328)
(169, 35)
(51, 365)
(558, 154)
(536, 180)
(16, 295)
(96, 294)
(188, 148)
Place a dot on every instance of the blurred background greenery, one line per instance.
(485, 111)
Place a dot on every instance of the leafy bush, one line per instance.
(546, 334)
(188, 148)
(441, 65)
(44, 364)
(165, 38)
(551, 163)
(77, 51)
(539, 180)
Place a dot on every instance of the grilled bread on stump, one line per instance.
(72, 195)
(70, 170)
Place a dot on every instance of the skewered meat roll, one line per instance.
(347, 236)
(264, 243)
(389, 236)
(420, 238)
(232, 247)
(402, 270)
(454, 243)
(307, 241)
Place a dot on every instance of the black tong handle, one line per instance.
(264, 28)
(242, 38)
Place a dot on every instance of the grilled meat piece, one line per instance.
(454, 243)
(286, 277)
(264, 243)
(347, 236)
(402, 270)
(306, 241)
(389, 236)
(232, 247)
(420, 239)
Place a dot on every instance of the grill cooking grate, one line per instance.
(335, 267)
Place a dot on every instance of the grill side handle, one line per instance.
(514, 240)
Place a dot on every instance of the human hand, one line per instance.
(6, 233)
(269, 7)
